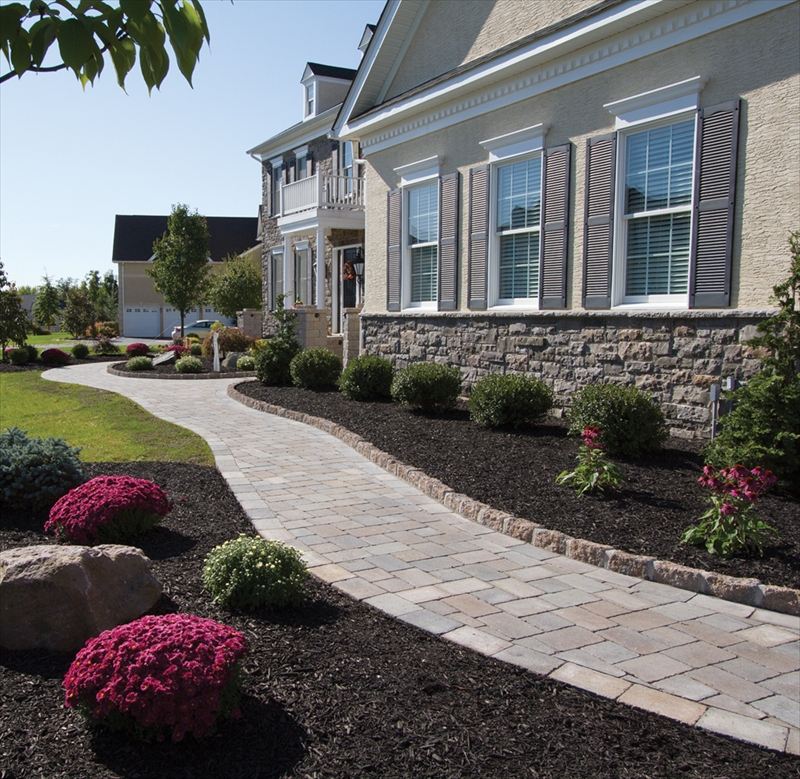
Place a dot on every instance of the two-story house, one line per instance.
(312, 212)
(583, 191)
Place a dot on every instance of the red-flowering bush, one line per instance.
(108, 508)
(179, 349)
(159, 676)
(55, 357)
(137, 350)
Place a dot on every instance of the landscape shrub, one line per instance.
(252, 573)
(159, 677)
(367, 377)
(195, 349)
(55, 357)
(33, 352)
(273, 361)
(730, 526)
(511, 399)
(80, 351)
(36, 471)
(189, 364)
(139, 364)
(315, 368)
(18, 356)
(108, 509)
(230, 339)
(258, 346)
(427, 386)
(179, 349)
(105, 346)
(246, 363)
(632, 423)
(105, 330)
(137, 350)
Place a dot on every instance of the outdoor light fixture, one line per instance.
(358, 266)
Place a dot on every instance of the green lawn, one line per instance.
(50, 338)
(109, 427)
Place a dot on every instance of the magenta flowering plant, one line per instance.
(55, 356)
(730, 525)
(594, 473)
(159, 677)
(108, 508)
(179, 349)
(137, 350)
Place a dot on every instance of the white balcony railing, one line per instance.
(322, 191)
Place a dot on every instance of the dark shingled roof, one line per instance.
(134, 236)
(348, 74)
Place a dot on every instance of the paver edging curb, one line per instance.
(184, 376)
(750, 592)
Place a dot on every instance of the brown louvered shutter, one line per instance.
(394, 249)
(335, 158)
(601, 158)
(448, 242)
(715, 188)
(555, 227)
(478, 237)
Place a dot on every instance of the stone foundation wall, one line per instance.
(675, 356)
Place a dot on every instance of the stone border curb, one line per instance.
(178, 376)
(749, 592)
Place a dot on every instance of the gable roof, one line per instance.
(134, 236)
(328, 71)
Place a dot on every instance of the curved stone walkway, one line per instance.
(723, 666)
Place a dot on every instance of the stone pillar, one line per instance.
(249, 320)
(312, 327)
(351, 335)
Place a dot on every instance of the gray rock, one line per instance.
(231, 359)
(56, 597)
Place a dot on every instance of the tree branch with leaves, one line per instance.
(86, 31)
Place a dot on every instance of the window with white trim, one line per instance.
(275, 276)
(517, 224)
(656, 212)
(310, 94)
(275, 187)
(422, 244)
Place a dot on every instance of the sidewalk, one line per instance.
(722, 666)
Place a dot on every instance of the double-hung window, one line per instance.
(517, 226)
(276, 180)
(422, 232)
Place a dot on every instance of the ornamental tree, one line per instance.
(180, 267)
(78, 313)
(13, 319)
(87, 31)
(47, 304)
(238, 286)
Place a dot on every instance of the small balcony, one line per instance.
(322, 191)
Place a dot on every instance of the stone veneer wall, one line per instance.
(675, 356)
(351, 335)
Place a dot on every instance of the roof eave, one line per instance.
(296, 135)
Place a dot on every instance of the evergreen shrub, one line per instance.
(80, 351)
(632, 423)
(509, 400)
(246, 363)
(18, 356)
(315, 368)
(139, 364)
(189, 364)
(367, 377)
(427, 386)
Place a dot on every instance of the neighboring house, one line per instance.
(313, 211)
(143, 313)
(583, 191)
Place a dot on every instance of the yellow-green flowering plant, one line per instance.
(252, 573)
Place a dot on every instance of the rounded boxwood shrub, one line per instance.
(246, 363)
(108, 509)
(136, 350)
(195, 349)
(274, 360)
(512, 399)
(189, 364)
(157, 677)
(253, 573)
(427, 386)
(18, 356)
(139, 364)
(630, 422)
(33, 352)
(55, 357)
(80, 351)
(315, 368)
(36, 471)
(366, 377)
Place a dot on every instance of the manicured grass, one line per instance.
(50, 338)
(110, 428)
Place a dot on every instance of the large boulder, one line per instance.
(56, 597)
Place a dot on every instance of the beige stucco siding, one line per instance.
(137, 287)
(755, 60)
(454, 32)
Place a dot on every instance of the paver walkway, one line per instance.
(722, 666)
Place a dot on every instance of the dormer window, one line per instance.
(310, 94)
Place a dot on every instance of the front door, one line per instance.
(347, 287)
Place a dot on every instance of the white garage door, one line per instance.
(209, 313)
(142, 322)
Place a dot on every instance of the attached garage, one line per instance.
(141, 322)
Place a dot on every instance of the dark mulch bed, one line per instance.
(338, 689)
(516, 472)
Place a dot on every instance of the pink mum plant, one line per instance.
(159, 676)
(108, 508)
(137, 350)
(55, 356)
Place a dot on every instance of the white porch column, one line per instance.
(288, 272)
(320, 259)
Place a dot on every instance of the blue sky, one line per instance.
(70, 160)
